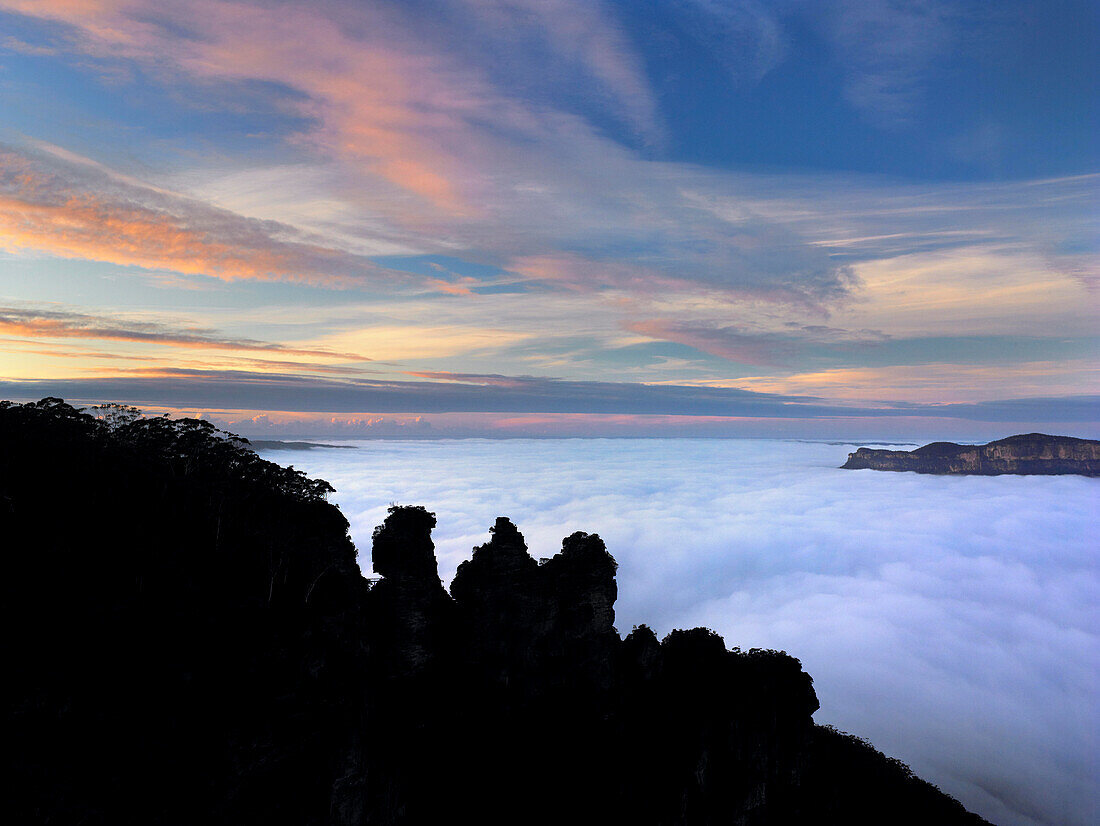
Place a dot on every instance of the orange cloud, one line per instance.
(412, 340)
(64, 210)
(85, 227)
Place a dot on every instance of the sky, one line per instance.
(556, 217)
(951, 621)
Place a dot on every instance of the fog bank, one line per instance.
(949, 620)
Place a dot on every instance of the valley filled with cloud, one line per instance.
(949, 620)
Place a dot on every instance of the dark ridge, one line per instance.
(190, 641)
(279, 444)
(1030, 453)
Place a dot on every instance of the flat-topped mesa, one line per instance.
(1027, 454)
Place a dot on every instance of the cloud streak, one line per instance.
(39, 323)
(752, 347)
(584, 34)
(457, 393)
(887, 48)
(61, 208)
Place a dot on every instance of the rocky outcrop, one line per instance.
(526, 620)
(1033, 453)
(190, 641)
(410, 612)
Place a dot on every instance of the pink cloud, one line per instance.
(448, 156)
(379, 99)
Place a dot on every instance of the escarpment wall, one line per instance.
(1034, 453)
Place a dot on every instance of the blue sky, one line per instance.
(875, 205)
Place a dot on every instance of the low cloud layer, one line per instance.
(478, 393)
(948, 620)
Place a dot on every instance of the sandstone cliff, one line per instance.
(188, 640)
(1033, 453)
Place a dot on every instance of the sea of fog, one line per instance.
(949, 620)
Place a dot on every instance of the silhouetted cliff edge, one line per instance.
(188, 640)
(1031, 453)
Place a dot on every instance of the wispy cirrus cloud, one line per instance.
(748, 346)
(461, 160)
(456, 161)
(14, 44)
(353, 64)
(46, 323)
(887, 49)
(745, 36)
(583, 33)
